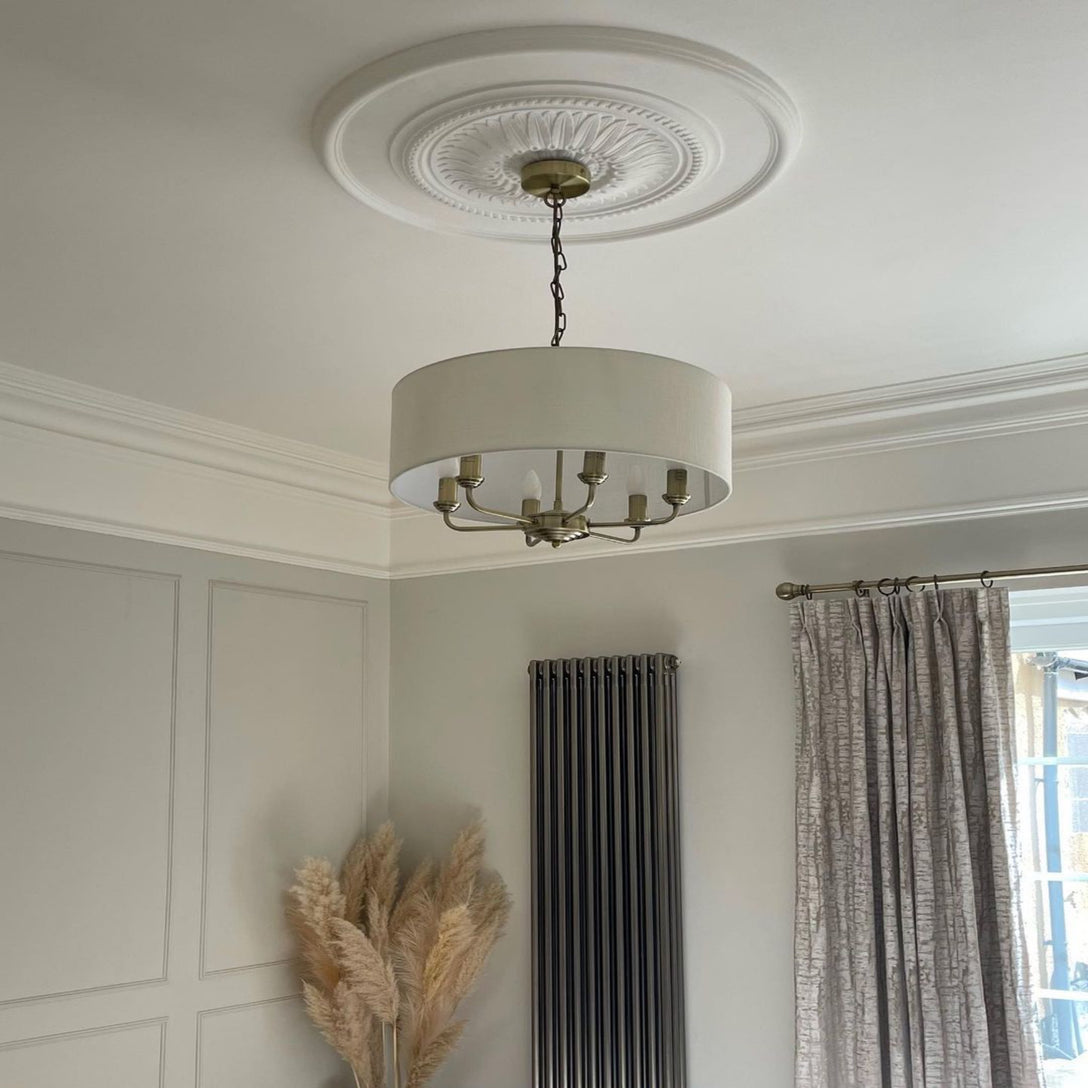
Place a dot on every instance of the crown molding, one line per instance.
(952, 408)
(82, 457)
(31, 398)
(973, 387)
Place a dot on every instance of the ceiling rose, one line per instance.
(471, 159)
(438, 135)
(608, 134)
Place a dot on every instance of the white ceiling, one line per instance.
(167, 231)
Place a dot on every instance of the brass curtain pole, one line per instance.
(787, 591)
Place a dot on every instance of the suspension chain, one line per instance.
(555, 200)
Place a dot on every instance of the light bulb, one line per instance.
(636, 480)
(530, 486)
(452, 467)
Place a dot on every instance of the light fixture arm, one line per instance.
(556, 525)
(591, 498)
(471, 499)
(476, 528)
(642, 524)
(618, 539)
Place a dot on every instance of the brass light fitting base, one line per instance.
(556, 527)
(569, 177)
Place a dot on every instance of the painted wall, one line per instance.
(179, 727)
(459, 704)
(177, 730)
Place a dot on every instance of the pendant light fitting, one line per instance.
(700, 398)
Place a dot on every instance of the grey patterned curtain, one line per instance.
(910, 957)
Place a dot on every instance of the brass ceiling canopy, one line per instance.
(563, 176)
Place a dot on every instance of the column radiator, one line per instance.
(608, 984)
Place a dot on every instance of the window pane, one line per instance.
(1072, 710)
(1052, 739)
(1054, 818)
(1056, 910)
(1063, 1072)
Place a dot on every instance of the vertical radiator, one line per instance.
(608, 983)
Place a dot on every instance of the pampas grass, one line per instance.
(385, 961)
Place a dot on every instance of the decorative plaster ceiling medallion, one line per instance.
(472, 159)
(437, 135)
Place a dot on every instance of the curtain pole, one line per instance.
(787, 591)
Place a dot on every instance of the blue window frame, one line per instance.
(1050, 640)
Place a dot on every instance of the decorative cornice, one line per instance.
(85, 458)
(31, 398)
(78, 456)
(928, 411)
(1015, 382)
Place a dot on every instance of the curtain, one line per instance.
(911, 967)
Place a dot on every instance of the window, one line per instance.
(1050, 666)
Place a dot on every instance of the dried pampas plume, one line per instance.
(385, 965)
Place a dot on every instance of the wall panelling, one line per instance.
(285, 763)
(178, 729)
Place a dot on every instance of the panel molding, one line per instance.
(132, 572)
(107, 1029)
(203, 1014)
(204, 972)
(85, 458)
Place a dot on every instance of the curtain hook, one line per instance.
(982, 579)
(880, 587)
(858, 590)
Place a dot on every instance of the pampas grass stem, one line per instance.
(381, 954)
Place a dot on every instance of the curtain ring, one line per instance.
(982, 579)
(858, 590)
(880, 587)
(907, 584)
(808, 593)
(936, 583)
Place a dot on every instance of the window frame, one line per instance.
(1051, 621)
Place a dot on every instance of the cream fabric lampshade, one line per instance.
(518, 406)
